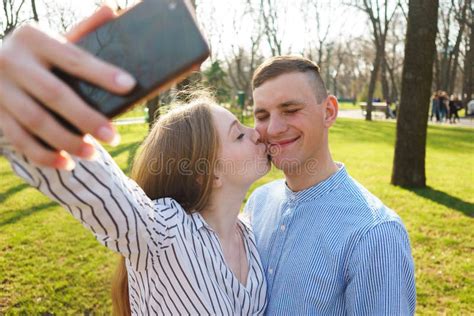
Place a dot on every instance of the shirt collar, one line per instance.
(199, 223)
(319, 189)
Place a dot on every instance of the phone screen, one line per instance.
(156, 41)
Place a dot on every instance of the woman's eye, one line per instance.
(241, 136)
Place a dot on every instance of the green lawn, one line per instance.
(348, 106)
(50, 264)
(137, 111)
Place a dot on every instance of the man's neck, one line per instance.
(309, 176)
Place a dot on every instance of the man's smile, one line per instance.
(278, 145)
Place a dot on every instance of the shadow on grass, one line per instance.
(19, 215)
(129, 147)
(11, 191)
(445, 199)
(131, 157)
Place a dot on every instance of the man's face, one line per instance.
(290, 120)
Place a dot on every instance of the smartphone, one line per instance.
(157, 41)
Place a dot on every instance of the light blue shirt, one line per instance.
(332, 249)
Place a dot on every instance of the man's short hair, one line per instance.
(279, 65)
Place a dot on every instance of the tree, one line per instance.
(453, 20)
(316, 29)
(61, 16)
(468, 69)
(271, 14)
(410, 147)
(468, 82)
(13, 14)
(245, 56)
(34, 10)
(380, 16)
(215, 78)
(393, 61)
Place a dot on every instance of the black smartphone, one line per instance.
(157, 41)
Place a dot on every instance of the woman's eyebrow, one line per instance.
(235, 122)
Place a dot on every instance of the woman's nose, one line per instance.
(256, 138)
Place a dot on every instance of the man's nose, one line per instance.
(276, 126)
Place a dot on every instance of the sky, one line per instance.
(228, 29)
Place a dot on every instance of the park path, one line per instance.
(357, 114)
(354, 114)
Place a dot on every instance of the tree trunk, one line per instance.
(468, 82)
(394, 96)
(35, 12)
(153, 113)
(437, 72)
(410, 148)
(385, 86)
(373, 80)
(454, 60)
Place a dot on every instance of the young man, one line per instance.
(328, 246)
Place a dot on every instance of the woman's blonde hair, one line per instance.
(176, 160)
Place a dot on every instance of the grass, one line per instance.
(50, 264)
(348, 106)
(137, 111)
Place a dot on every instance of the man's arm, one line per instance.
(380, 273)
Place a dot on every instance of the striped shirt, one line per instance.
(332, 249)
(174, 260)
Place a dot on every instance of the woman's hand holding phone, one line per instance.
(26, 58)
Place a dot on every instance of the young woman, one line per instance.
(176, 223)
(177, 226)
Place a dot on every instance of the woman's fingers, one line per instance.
(58, 97)
(59, 53)
(23, 142)
(28, 89)
(101, 16)
(38, 121)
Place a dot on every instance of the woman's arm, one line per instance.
(112, 206)
(26, 56)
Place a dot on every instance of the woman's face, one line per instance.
(242, 157)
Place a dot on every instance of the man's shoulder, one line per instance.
(261, 196)
(275, 188)
(365, 206)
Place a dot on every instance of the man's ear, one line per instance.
(331, 110)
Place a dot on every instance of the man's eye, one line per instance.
(292, 111)
(241, 136)
(261, 118)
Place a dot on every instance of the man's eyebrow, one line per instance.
(235, 122)
(289, 103)
(283, 105)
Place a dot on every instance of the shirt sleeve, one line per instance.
(381, 277)
(108, 203)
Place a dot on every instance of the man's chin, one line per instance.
(285, 163)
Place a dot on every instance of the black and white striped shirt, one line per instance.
(174, 260)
